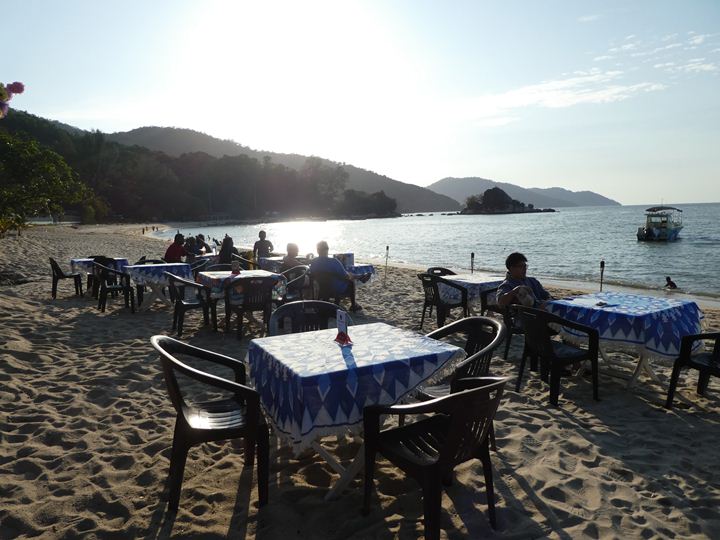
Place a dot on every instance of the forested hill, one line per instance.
(176, 141)
(462, 188)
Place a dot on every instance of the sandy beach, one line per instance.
(86, 431)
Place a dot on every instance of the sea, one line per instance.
(565, 246)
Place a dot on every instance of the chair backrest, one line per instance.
(326, 284)
(428, 287)
(143, 260)
(246, 264)
(471, 409)
(483, 335)
(304, 315)
(294, 275)
(440, 271)
(538, 335)
(199, 266)
(256, 291)
(56, 270)
(218, 268)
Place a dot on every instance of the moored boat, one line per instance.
(662, 223)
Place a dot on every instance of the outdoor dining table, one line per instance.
(645, 326)
(474, 284)
(310, 386)
(85, 264)
(216, 280)
(153, 275)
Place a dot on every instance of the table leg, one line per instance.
(346, 474)
(155, 294)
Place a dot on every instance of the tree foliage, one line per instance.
(33, 180)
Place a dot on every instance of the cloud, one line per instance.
(584, 87)
(588, 18)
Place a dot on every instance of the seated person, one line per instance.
(343, 281)
(669, 283)
(290, 260)
(227, 250)
(517, 287)
(262, 247)
(191, 249)
(201, 244)
(175, 252)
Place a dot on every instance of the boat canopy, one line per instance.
(661, 208)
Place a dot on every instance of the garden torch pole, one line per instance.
(472, 262)
(387, 253)
(602, 271)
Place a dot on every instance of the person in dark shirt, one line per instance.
(262, 247)
(227, 250)
(201, 244)
(175, 252)
(290, 260)
(518, 287)
(669, 283)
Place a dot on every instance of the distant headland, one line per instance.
(496, 201)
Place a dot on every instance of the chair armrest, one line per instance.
(687, 342)
(466, 383)
(238, 388)
(236, 365)
(185, 282)
(484, 305)
(243, 259)
(592, 333)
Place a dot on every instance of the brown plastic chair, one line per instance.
(428, 450)
(430, 284)
(554, 355)
(235, 417)
(326, 289)
(256, 296)
(201, 300)
(707, 363)
(305, 316)
(58, 274)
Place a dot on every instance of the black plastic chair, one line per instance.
(511, 324)
(246, 264)
(234, 417)
(201, 300)
(439, 271)
(58, 274)
(93, 280)
(296, 277)
(199, 266)
(428, 450)
(325, 282)
(256, 296)
(554, 355)
(304, 315)
(111, 283)
(707, 363)
(430, 284)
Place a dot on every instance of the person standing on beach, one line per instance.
(262, 247)
(517, 287)
(175, 252)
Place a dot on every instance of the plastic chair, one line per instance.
(304, 315)
(202, 300)
(430, 284)
(428, 450)
(234, 417)
(218, 268)
(246, 264)
(707, 363)
(58, 274)
(256, 296)
(554, 355)
(439, 271)
(295, 277)
(113, 282)
(326, 287)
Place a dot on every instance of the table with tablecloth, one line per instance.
(310, 386)
(647, 326)
(153, 275)
(474, 284)
(217, 280)
(85, 264)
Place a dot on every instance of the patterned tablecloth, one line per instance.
(143, 274)
(644, 325)
(310, 386)
(216, 281)
(475, 284)
(86, 265)
(271, 264)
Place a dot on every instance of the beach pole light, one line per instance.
(387, 254)
(602, 271)
(472, 262)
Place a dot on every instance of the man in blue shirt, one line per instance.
(343, 282)
(517, 286)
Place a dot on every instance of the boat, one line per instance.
(662, 224)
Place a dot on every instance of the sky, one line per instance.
(616, 97)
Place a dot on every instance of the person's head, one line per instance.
(292, 250)
(262, 235)
(322, 248)
(227, 243)
(516, 264)
(201, 237)
(190, 241)
(179, 239)
(667, 279)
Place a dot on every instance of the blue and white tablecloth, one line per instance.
(143, 274)
(217, 280)
(86, 265)
(475, 284)
(347, 259)
(360, 269)
(645, 325)
(310, 386)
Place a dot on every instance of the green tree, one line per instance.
(34, 179)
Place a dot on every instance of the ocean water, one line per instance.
(564, 245)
